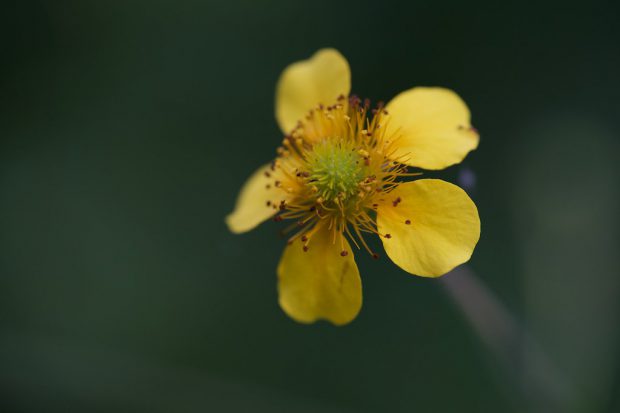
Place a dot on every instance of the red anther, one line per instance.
(277, 218)
(305, 248)
(388, 236)
(366, 161)
(380, 104)
(366, 103)
(305, 174)
(375, 256)
(407, 222)
(304, 238)
(344, 253)
(312, 208)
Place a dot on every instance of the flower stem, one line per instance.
(539, 385)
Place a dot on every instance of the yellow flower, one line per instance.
(339, 175)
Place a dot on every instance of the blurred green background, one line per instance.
(127, 129)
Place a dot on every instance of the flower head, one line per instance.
(342, 173)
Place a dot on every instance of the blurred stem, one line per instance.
(538, 383)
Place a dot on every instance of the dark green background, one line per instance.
(127, 128)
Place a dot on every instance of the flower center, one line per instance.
(335, 169)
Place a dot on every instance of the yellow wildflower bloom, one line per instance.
(339, 174)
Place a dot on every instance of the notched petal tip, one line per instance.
(432, 126)
(232, 221)
(251, 207)
(433, 229)
(304, 84)
(319, 283)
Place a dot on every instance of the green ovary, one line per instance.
(335, 168)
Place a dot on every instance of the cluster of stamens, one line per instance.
(334, 170)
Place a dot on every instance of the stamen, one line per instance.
(334, 168)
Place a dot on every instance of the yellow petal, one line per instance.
(251, 208)
(433, 228)
(320, 283)
(305, 84)
(433, 125)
